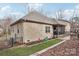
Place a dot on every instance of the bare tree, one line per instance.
(33, 7)
(5, 24)
(74, 22)
(59, 14)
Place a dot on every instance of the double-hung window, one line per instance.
(47, 29)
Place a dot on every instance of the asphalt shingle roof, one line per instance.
(38, 17)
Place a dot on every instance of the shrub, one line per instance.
(46, 38)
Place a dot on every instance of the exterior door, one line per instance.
(55, 31)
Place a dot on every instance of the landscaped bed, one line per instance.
(24, 51)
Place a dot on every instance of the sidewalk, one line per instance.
(65, 38)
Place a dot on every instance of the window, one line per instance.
(17, 30)
(9, 32)
(47, 29)
(12, 29)
(15, 35)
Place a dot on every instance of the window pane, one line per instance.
(47, 29)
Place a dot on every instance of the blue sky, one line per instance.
(18, 10)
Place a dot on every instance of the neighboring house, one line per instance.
(34, 26)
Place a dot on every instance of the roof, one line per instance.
(63, 22)
(35, 16)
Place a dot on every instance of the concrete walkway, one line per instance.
(64, 39)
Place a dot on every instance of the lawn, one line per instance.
(24, 51)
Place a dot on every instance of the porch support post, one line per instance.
(57, 30)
